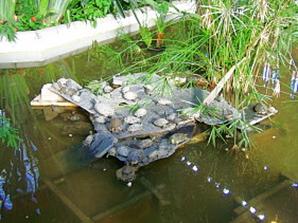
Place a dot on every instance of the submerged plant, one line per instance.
(9, 135)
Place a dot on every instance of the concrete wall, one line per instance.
(36, 48)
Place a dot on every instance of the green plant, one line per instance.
(9, 136)
(7, 28)
(146, 36)
(88, 9)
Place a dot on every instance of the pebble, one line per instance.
(164, 101)
(129, 184)
(76, 98)
(243, 203)
(252, 210)
(148, 88)
(295, 185)
(183, 158)
(217, 185)
(132, 120)
(140, 112)
(266, 168)
(172, 117)
(261, 217)
(125, 89)
(273, 137)
(135, 128)
(107, 89)
(100, 119)
(195, 168)
(161, 122)
(104, 169)
(49, 138)
(131, 96)
(209, 179)
(226, 191)
(188, 163)
(104, 109)
(145, 143)
(70, 135)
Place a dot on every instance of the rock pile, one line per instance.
(135, 124)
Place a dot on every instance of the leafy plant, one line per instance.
(8, 135)
(88, 9)
(146, 36)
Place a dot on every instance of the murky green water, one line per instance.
(94, 189)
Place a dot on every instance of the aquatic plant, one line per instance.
(7, 9)
(9, 135)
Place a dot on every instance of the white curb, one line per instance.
(37, 48)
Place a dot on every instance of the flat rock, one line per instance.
(104, 109)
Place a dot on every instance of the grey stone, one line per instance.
(76, 98)
(132, 120)
(107, 89)
(140, 112)
(100, 119)
(104, 109)
(135, 128)
(164, 101)
(122, 151)
(131, 96)
(172, 117)
(161, 122)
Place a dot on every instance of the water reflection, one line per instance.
(20, 175)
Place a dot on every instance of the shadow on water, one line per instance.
(67, 182)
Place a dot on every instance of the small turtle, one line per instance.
(178, 138)
(131, 96)
(116, 124)
(135, 156)
(104, 109)
(260, 109)
(74, 117)
(145, 143)
(140, 112)
(161, 122)
(132, 120)
(127, 173)
(135, 128)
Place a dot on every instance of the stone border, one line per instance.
(37, 48)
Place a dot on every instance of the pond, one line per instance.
(73, 191)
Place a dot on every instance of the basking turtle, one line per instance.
(260, 109)
(116, 124)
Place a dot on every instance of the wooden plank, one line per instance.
(67, 202)
(154, 191)
(121, 206)
(214, 93)
(256, 201)
(37, 103)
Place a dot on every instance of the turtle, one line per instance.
(161, 122)
(127, 173)
(260, 109)
(178, 138)
(116, 124)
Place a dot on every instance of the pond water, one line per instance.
(81, 190)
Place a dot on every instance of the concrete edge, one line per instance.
(38, 48)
